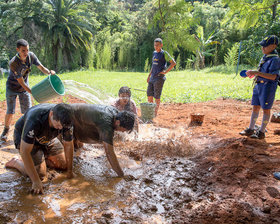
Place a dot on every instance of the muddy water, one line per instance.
(152, 193)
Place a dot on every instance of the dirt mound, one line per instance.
(237, 176)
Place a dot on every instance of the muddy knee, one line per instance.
(57, 162)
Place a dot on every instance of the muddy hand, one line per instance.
(37, 188)
(52, 72)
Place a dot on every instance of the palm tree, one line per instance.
(67, 28)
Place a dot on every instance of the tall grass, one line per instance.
(180, 86)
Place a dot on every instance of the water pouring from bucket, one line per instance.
(48, 89)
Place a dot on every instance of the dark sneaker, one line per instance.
(258, 135)
(247, 132)
(4, 135)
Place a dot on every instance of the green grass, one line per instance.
(180, 87)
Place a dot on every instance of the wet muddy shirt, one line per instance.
(94, 123)
(19, 69)
(35, 129)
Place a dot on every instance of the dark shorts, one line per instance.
(154, 89)
(24, 100)
(264, 94)
(41, 152)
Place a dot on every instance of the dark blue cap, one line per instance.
(271, 39)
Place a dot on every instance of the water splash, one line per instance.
(87, 93)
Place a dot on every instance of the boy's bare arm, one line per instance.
(261, 74)
(172, 64)
(69, 151)
(45, 70)
(111, 156)
(22, 83)
(25, 152)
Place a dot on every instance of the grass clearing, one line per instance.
(180, 87)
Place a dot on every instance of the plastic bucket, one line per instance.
(48, 88)
(147, 111)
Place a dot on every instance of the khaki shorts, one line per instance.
(41, 152)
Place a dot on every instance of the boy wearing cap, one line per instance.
(17, 82)
(157, 77)
(266, 79)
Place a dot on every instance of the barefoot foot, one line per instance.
(12, 163)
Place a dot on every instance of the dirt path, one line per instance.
(182, 174)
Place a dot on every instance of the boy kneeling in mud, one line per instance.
(266, 79)
(35, 136)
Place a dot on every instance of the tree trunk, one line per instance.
(274, 10)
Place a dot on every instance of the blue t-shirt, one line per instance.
(159, 64)
(269, 64)
(19, 69)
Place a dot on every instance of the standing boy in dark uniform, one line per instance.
(17, 82)
(35, 136)
(157, 77)
(266, 79)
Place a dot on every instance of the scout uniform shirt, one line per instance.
(159, 64)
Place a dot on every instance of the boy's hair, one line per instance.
(63, 112)
(158, 40)
(126, 119)
(125, 89)
(22, 42)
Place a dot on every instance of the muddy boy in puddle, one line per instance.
(35, 136)
(125, 103)
(97, 123)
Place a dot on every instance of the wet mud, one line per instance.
(175, 173)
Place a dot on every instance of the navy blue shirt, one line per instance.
(269, 64)
(19, 69)
(159, 64)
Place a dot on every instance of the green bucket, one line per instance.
(147, 111)
(48, 88)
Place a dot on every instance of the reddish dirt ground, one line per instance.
(235, 171)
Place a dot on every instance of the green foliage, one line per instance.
(175, 20)
(232, 55)
(178, 63)
(70, 35)
(250, 12)
(106, 57)
(147, 67)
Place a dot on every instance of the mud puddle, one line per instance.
(151, 193)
